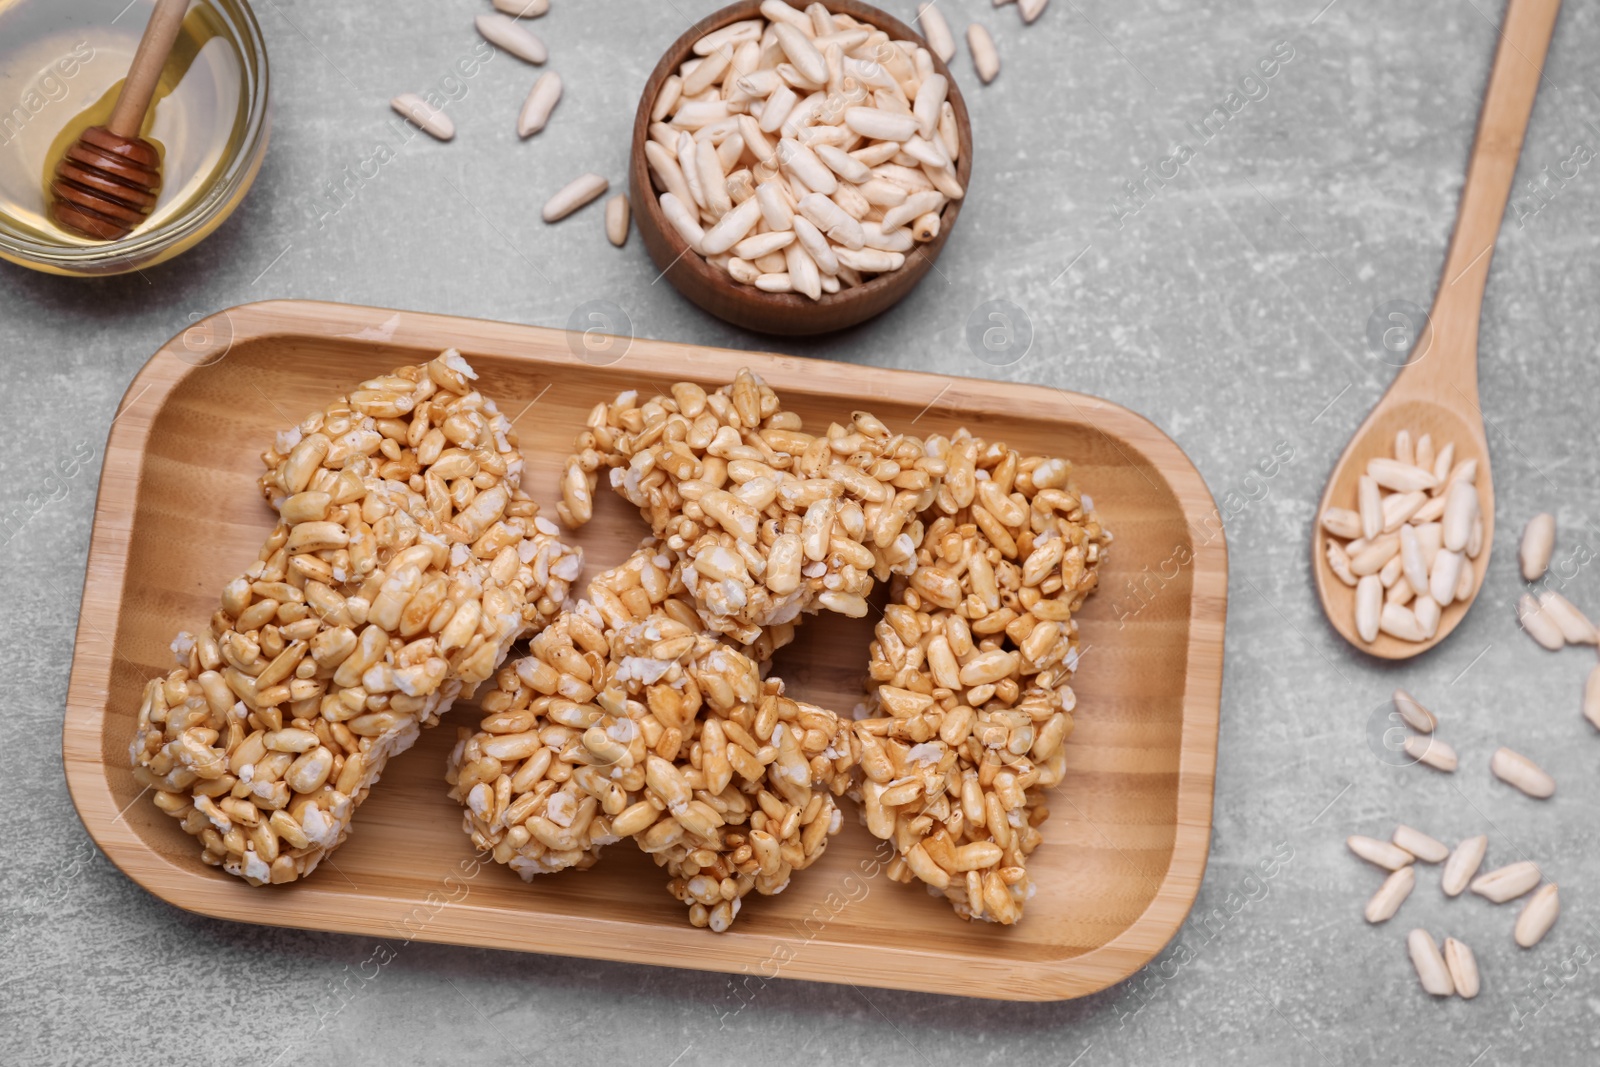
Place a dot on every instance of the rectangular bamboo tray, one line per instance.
(1125, 847)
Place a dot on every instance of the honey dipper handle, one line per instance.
(159, 34)
(1507, 106)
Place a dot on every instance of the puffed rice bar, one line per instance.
(537, 793)
(628, 719)
(775, 521)
(973, 660)
(373, 605)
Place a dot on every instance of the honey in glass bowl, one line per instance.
(62, 64)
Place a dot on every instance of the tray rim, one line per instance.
(623, 941)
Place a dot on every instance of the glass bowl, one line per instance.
(61, 62)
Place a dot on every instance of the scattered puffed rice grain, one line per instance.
(1342, 522)
(1411, 558)
(929, 104)
(1432, 511)
(1538, 541)
(843, 164)
(1389, 856)
(1370, 505)
(507, 35)
(1574, 625)
(871, 260)
(950, 131)
(816, 245)
(1465, 471)
(617, 219)
(806, 165)
(1460, 508)
(1538, 916)
(1508, 882)
(1398, 508)
(1443, 462)
(881, 125)
(1424, 452)
(928, 154)
(683, 219)
(936, 31)
(1445, 576)
(777, 109)
(803, 273)
(1398, 621)
(663, 163)
(1390, 575)
(1428, 613)
(541, 101)
(573, 195)
(832, 220)
(1429, 963)
(1540, 626)
(732, 228)
(1591, 698)
(713, 180)
(1339, 564)
(916, 205)
(1031, 9)
(802, 53)
(778, 11)
(1463, 967)
(1375, 555)
(523, 9)
(1399, 477)
(423, 115)
(1402, 448)
(1390, 895)
(1369, 606)
(667, 99)
(1425, 848)
(1518, 770)
(1432, 751)
(776, 210)
(1463, 863)
(733, 34)
(760, 244)
(1415, 715)
(985, 59)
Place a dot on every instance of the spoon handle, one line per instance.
(1507, 106)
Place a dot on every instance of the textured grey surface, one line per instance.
(1231, 309)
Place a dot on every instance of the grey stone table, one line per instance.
(1228, 302)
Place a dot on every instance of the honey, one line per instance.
(61, 68)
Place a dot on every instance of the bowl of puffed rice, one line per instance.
(798, 168)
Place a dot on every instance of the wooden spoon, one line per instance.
(1436, 392)
(110, 178)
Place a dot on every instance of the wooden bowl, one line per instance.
(790, 314)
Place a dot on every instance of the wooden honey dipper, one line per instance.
(109, 179)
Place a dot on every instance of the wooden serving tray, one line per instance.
(178, 515)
